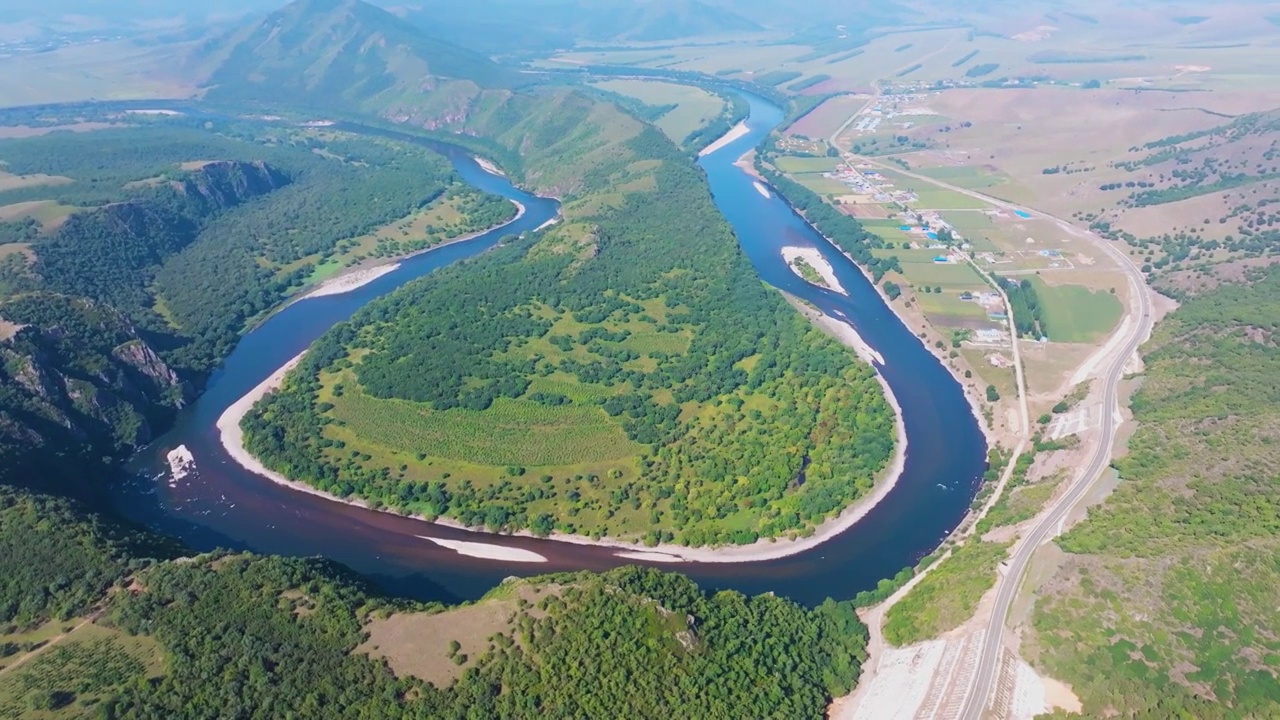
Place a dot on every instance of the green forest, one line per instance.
(673, 397)
(249, 636)
(153, 247)
(1166, 603)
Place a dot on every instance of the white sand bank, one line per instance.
(487, 551)
(348, 282)
(815, 260)
(734, 133)
(489, 167)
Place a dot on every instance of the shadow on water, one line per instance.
(222, 505)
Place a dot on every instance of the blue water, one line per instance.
(224, 506)
(1022, 213)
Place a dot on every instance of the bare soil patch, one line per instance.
(866, 211)
(9, 181)
(418, 644)
(24, 131)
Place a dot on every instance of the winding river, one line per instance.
(223, 505)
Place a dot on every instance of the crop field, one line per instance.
(823, 121)
(937, 199)
(87, 667)
(694, 109)
(511, 432)
(948, 305)
(821, 185)
(966, 176)
(959, 275)
(1075, 313)
(794, 164)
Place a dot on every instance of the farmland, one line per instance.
(694, 107)
(1076, 314)
(87, 667)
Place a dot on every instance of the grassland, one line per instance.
(946, 597)
(102, 71)
(518, 432)
(695, 108)
(797, 165)
(1075, 313)
(966, 176)
(1165, 604)
(49, 213)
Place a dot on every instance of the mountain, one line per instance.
(505, 26)
(325, 53)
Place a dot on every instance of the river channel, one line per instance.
(223, 505)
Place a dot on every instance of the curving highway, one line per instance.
(978, 695)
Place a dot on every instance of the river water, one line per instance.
(223, 505)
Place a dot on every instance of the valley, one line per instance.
(596, 352)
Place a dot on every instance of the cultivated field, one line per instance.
(694, 109)
(84, 668)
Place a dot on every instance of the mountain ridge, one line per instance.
(324, 53)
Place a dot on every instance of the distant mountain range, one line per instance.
(503, 26)
(344, 55)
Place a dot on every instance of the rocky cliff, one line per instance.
(78, 383)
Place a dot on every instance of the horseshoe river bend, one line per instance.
(221, 504)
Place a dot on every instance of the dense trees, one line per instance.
(1028, 313)
(275, 637)
(56, 560)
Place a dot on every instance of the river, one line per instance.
(223, 505)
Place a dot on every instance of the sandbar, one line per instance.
(348, 282)
(815, 259)
(734, 133)
(487, 551)
(489, 167)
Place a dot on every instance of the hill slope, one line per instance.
(328, 53)
(503, 26)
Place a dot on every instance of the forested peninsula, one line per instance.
(132, 257)
(623, 374)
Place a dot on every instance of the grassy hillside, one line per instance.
(344, 55)
(1166, 603)
(628, 359)
(506, 26)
